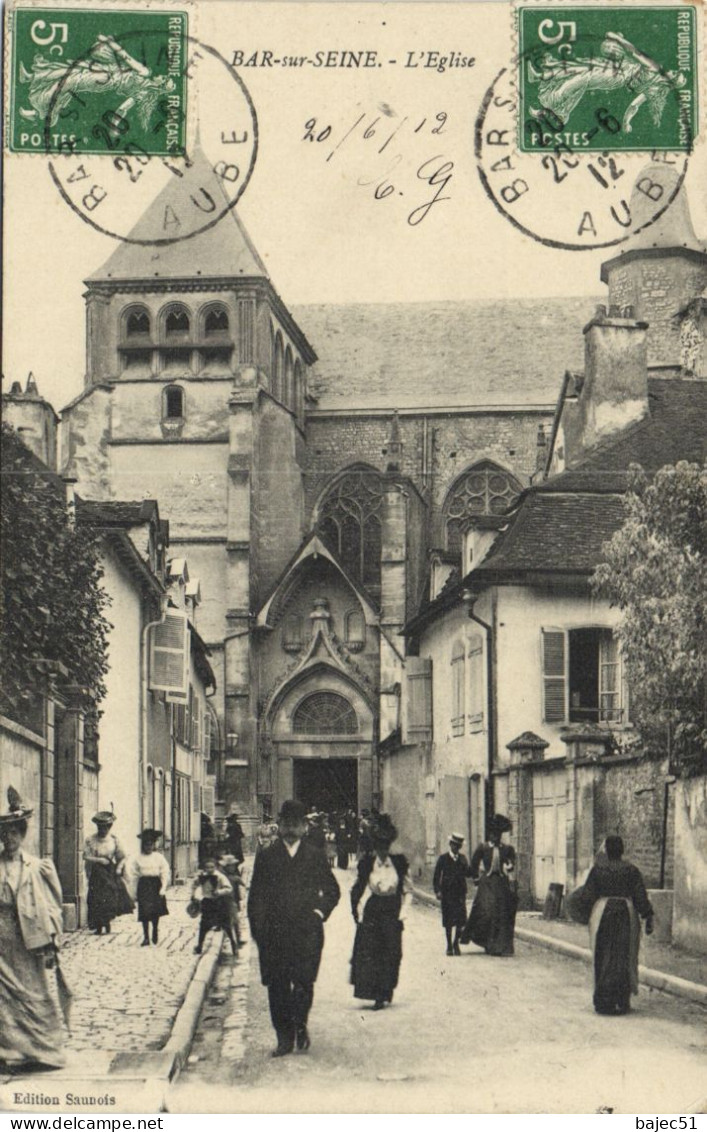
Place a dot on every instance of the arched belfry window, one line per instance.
(137, 323)
(350, 524)
(278, 363)
(325, 713)
(485, 489)
(216, 321)
(173, 403)
(177, 322)
(289, 386)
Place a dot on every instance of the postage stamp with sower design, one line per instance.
(90, 81)
(623, 78)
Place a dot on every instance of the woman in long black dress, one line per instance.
(383, 878)
(616, 894)
(491, 922)
(104, 860)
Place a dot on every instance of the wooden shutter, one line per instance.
(458, 679)
(477, 684)
(417, 700)
(207, 734)
(609, 679)
(196, 725)
(169, 655)
(554, 654)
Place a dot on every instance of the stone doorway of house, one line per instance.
(328, 785)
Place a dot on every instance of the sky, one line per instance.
(323, 235)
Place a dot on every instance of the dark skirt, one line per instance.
(453, 911)
(150, 905)
(378, 950)
(491, 922)
(612, 960)
(107, 897)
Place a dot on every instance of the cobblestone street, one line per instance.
(126, 996)
(473, 1034)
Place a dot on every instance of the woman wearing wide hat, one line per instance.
(104, 861)
(491, 922)
(30, 925)
(383, 880)
(149, 877)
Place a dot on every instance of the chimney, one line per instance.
(614, 394)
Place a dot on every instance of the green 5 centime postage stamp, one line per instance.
(607, 77)
(91, 81)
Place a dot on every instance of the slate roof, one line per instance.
(560, 524)
(499, 352)
(224, 251)
(118, 512)
(558, 533)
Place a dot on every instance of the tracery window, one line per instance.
(277, 367)
(350, 525)
(325, 713)
(484, 489)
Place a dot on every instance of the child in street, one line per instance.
(233, 870)
(216, 903)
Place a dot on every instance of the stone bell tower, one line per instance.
(195, 396)
(663, 267)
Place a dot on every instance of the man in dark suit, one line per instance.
(292, 893)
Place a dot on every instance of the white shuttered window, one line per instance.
(169, 655)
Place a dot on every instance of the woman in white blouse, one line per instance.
(148, 875)
(384, 882)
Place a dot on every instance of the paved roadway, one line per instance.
(472, 1034)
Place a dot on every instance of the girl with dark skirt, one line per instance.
(377, 953)
(149, 877)
(491, 922)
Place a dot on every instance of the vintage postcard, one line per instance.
(352, 716)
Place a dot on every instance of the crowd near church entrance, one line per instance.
(327, 785)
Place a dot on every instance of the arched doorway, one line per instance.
(322, 738)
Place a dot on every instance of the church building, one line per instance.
(319, 467)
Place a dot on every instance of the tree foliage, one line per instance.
(52, 602)
(655, 571)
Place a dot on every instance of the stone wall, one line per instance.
(403, 783)
(658, 287)
(21, 767)
(437, 448)
(629, 800)
(690, 906)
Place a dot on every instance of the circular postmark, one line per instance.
(580, 189)
(139, 163)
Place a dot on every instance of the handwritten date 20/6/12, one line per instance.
(435, 171)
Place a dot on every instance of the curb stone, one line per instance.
(180, 1039)
(658, 980)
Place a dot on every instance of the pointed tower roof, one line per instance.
(224, 251)
(673, 228)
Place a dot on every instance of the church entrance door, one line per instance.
(327, 785)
